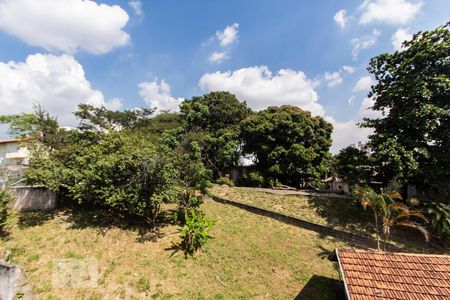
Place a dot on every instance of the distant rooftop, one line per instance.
(4, 141)
(383, 275)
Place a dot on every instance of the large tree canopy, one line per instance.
(101, 118)
(353, 165)
(290, 145)
(216, 116)
(113, 159)
(412, 137)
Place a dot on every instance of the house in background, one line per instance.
(14, 158)
(337, 185)
(363, 147)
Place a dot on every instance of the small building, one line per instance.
(337, 185)
(384, 275)
(14, 158)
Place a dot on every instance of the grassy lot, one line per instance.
(337, 213)
(251, 257)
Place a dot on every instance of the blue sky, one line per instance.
(127, 54)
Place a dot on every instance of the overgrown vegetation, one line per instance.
(120, 171)
(5, 208)
(112, 161)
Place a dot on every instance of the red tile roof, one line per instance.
(383, 275)
(4, 141)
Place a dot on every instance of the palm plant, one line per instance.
(439, 213)
(372, 200)
(388, 208)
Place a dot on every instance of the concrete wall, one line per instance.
(9, 281)
(33, 198)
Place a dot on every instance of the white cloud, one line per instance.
(364, 42)
(333, 79)
(58, 83)
(363, 84)
(65, 25)
(260, 88)
(399, 37)
(341, 18)
(347, 133)
(228, 36)
(218, 57)
(225, 39)
(348, 69)
(366, 111)
(389, 11)
(158, 95)
(136, 5)
(351, 100)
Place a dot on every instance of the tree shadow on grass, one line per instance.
(106, 219)
(35, 218)
(343, 213)
(318, 287)
(101, 219)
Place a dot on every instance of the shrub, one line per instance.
(5, 203)
(439, 215)
(195, 233)
(254, 179)
(226, 180)
(121, 170)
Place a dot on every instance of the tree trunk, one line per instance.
(376, 231)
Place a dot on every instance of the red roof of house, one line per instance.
(2, 141)
(383, 275)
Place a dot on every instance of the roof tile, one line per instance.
(381, 275)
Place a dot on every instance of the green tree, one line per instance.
(290, 145)
(353, 165)
(103, 119)
(122, 171)
(216, 116)
(157, 125)
(38, 125)
(193, 176)
(412, 137)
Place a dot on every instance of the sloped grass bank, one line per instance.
(340, 214)
(251, 257)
